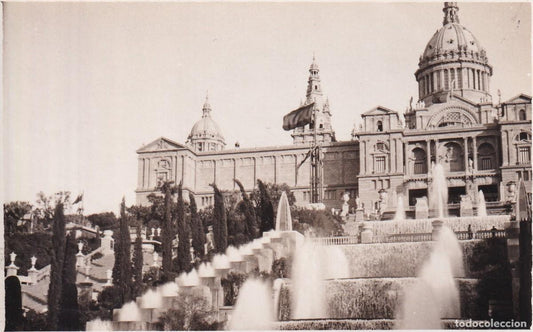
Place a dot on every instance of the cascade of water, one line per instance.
(481, 206)
(435, 294)
(254, 307)
(334, 262)
(438, 198)
(283, 217)
(307, 287)
(151, 299)
(400, 210)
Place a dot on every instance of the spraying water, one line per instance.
(308, 299)
(99, 325)
(438, 198)
(129, 312)
(481, 206)
(334, 262)
(151, 299)
(283, 217)
(254, 307)
(400, 210)
(169, 289)
(435, 294)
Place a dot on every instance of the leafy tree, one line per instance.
(56, 269)
(237, 233)
(197, 229)
(322, 222)
(191, 313)
(247, 208)
(13, 212)
(220, 227)
(125, 281)
(265, 208)
(157, 205)
(274, 191)
(13, 302)
(28, 245)
(138, 262)
(69, 314)
(184, 235)
(110, 298)
(168, 235)
(104, 220)
(231, 285)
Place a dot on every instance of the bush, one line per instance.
(231, 285)
(34, 321)
(191, 313)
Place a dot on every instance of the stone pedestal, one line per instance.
(32, 274)
(107, 243)
(421, 208)
(466, 208)
(359, 214)
(85, 291)
(366, 233)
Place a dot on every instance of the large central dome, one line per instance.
(452, 38)
(453, 63)
(205, 134)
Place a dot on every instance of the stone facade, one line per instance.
(482, 145)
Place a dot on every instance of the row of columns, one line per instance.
(465, 78)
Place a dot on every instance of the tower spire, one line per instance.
(314, 90)
(450, 13)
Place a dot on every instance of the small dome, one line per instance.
(452, 38)
(206, 128)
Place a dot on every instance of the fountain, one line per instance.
(99, 325)
(283, 217)
(254, 307)
(438, 198)
(481, 206)
(335, 264)
(400, 210)
(307, 283)
(435, 294)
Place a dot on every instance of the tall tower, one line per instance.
(325, 133)
(454, 62)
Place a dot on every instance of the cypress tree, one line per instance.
(220, 227)
(266, 210)
(184, 234)
(118, 257)
(197, 228)
(249, 214)
(168, 230)
(69, 314)
(138, 262)
(125, 255)
(13, 302)
(56, 266)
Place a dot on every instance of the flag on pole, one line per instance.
(299, 117)
(78, 199)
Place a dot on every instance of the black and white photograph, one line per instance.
(276, 165)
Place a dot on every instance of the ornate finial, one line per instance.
(207, 107)
(12, 256)
(450, 13)
(33, 261)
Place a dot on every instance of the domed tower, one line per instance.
(453, 63)
(205, 134)
(325, 133)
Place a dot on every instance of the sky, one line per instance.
(87, 84)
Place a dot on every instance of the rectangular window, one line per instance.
(452, 79)
(526, 176)
(380, 164)
(446, 82)
(459, 83)
(524, 155)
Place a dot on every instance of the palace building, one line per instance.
(481, 145)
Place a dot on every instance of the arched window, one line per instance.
(420, 163)
(379, 126)
(486, 157)
(522, 115)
